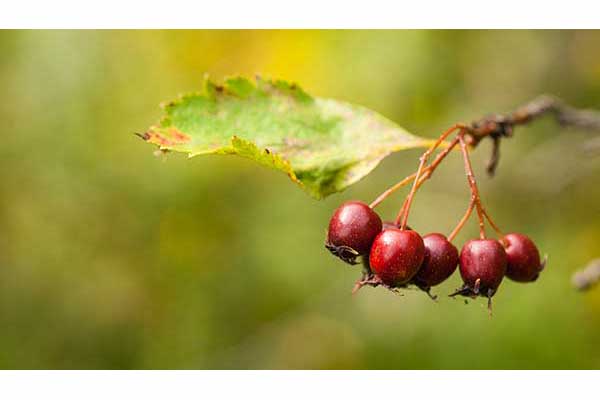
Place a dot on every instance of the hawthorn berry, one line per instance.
(352, 229)
(523, 258)
(440, 261)
(396, 256)
(482, 267)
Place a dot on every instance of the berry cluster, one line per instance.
(395, 256)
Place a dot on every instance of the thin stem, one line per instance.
(462, 221)
(406, 205)
(440, 157)
(472, 184)
(423, 160)
(427, 173)
(392, 189)
(492, 223)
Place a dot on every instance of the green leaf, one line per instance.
(321, 144)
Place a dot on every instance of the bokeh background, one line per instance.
(111, 257)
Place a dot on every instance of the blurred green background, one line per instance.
(113, 258)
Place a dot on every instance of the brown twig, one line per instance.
(499, 126)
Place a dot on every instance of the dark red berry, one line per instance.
(523, 258)
(440, 261)
(352, 229)
(482, 266)
(396, 256)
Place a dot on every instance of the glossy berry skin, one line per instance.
(352, 229)
(396, 256)
(483, 259)
(523, 258)
(440, 261)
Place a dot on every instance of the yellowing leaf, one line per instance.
(321, 144)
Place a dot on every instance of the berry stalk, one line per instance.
(427, 173)
(462, 221)
(472, 184)
(406, 209)
(481, 211)
(492, 223)
(392, 189)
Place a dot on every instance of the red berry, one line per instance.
(352, 229)
(441, 260)
(396, 256)
(482, 266)
(523, 258)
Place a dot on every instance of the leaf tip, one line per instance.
(143, 136)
